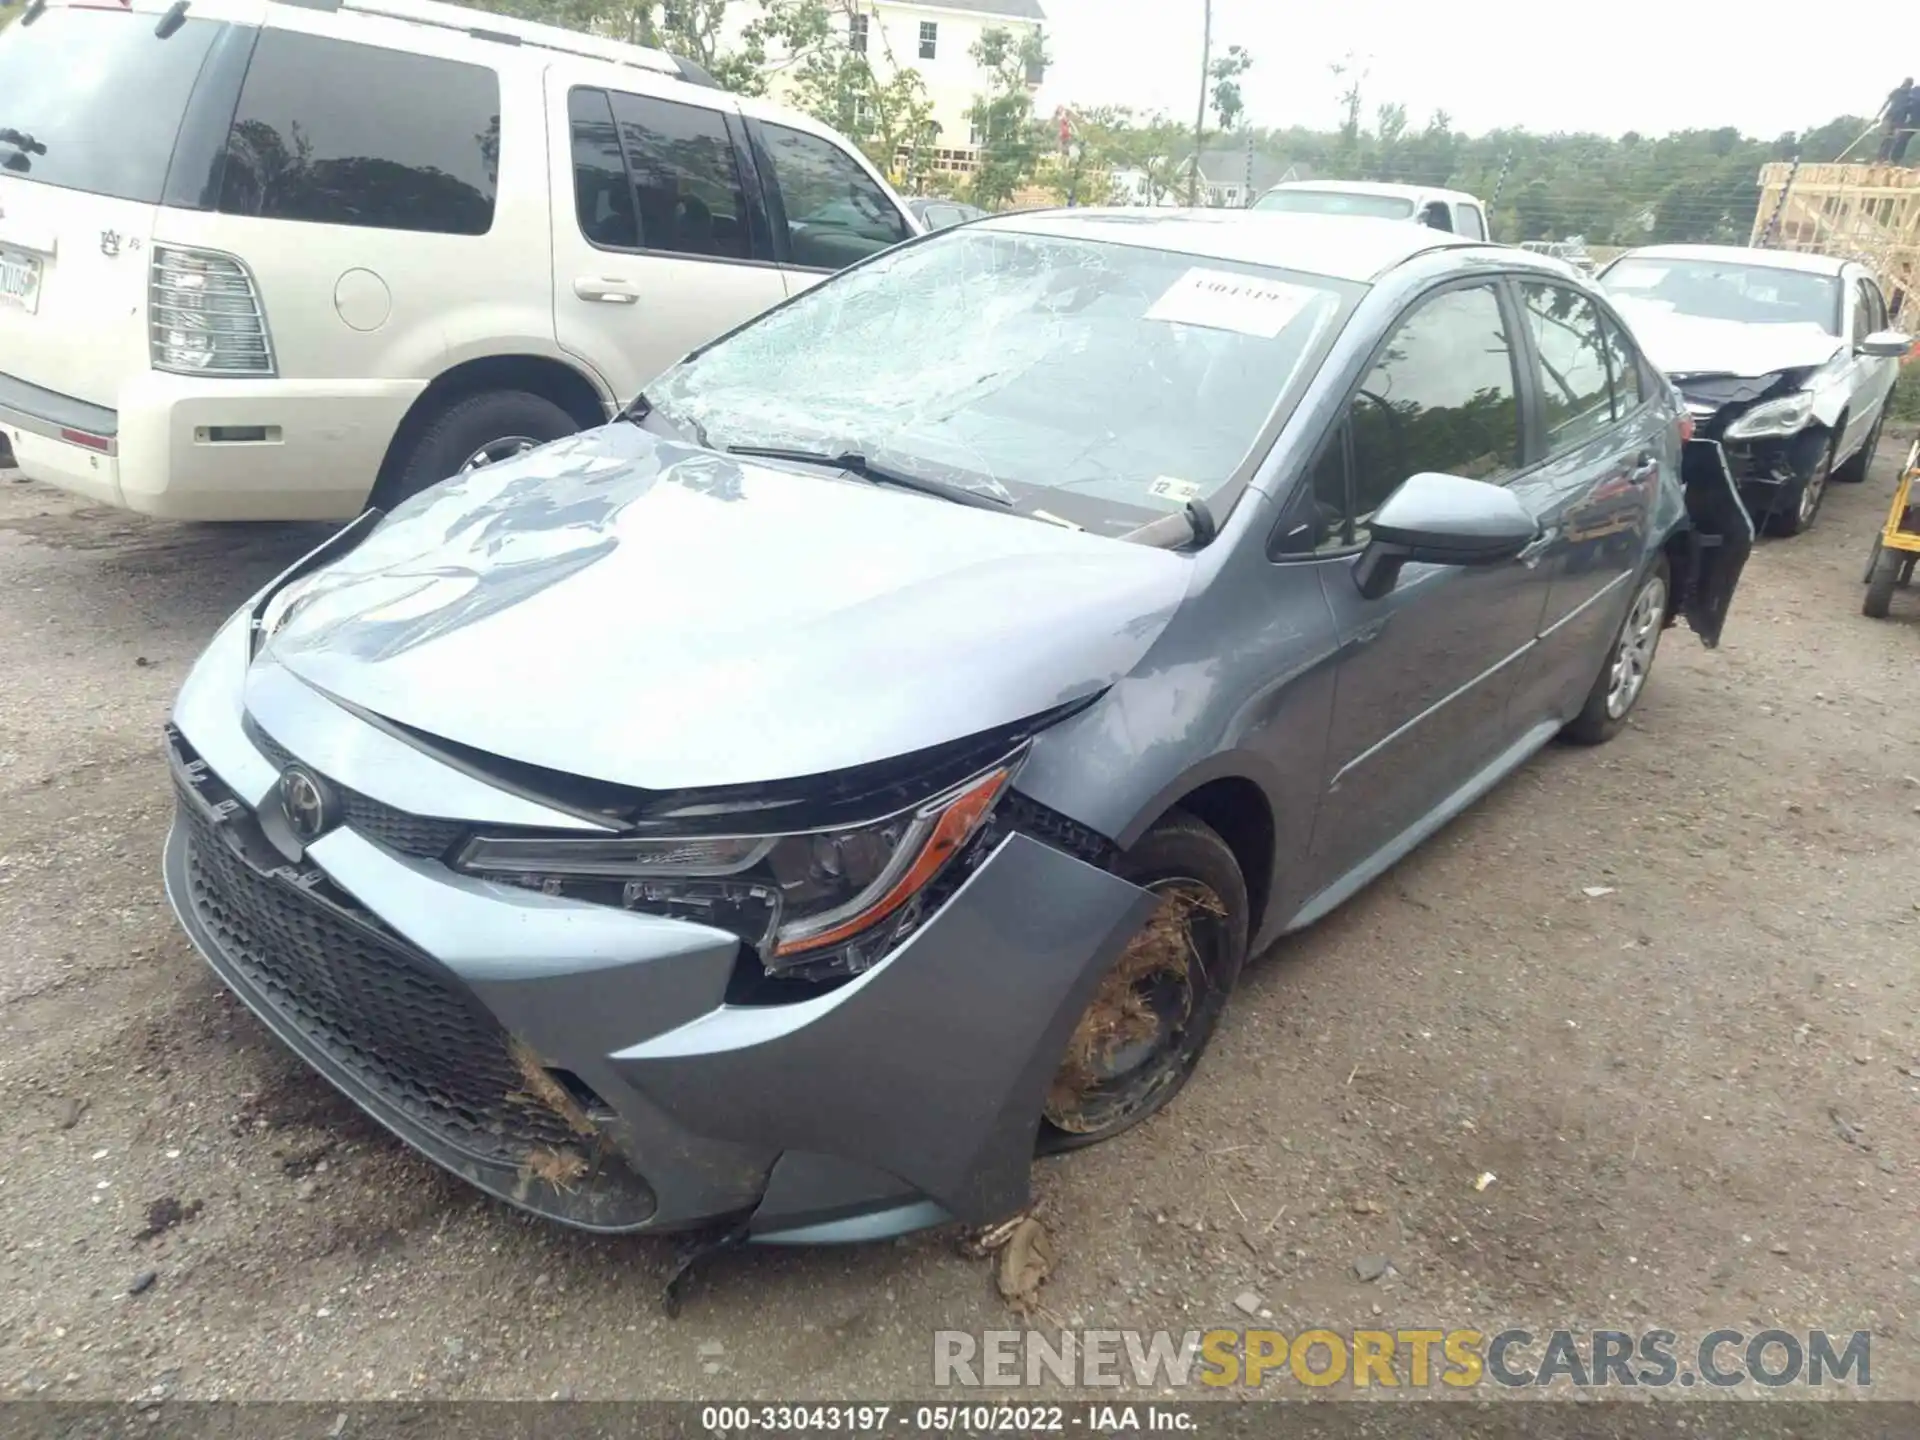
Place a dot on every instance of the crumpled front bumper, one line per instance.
(584, 1062)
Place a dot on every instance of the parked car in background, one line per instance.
(878, 753)
(1571, 251)
(1784, 358)
(353, 248)
(934, 213)
(1451, 210)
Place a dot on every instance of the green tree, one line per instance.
(1228, 103)
(1012, 139)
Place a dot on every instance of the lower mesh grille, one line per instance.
(419, 1046)
(377, 1007)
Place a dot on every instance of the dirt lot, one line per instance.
(1698, 1091)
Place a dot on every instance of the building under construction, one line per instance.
(1865, 212)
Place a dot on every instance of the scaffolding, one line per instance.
(1864, 212)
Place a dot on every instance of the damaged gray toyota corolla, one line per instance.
(870, 759)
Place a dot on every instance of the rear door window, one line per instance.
(92, 99)
(687, 192)
(835, 213)
(1570, 351)
(1471, 225)
(336, 133)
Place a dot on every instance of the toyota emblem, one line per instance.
(304, 799)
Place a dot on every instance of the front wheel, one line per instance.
(1795, 508)
(1623, 674)
(1143, 1032)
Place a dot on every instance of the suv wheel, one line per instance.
(469, 433)
(1145, 1027)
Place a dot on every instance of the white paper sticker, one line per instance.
(1222, 300)
(1168, 488)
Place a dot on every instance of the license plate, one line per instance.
(19, 280)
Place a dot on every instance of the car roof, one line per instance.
(1340, 247)
(1742, 255)
(1375, 187)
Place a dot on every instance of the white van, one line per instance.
(266, 259)
(1450, 210)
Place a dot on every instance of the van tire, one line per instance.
(464, 429)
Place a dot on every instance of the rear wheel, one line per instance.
(476, 431)
(1855, 470)
(1885, 574)
(1623, 675)
(1799, 502)
(1143, 1032)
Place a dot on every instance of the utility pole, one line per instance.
(1200, 113)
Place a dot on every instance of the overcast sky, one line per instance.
(1638, 66)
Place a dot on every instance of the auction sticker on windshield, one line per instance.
(1223, 300)
(19, 280)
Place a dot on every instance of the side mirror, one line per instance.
(1435, 519)
(1886, 345)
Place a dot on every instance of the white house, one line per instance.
(935, 37)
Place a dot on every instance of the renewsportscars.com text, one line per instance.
(1401, 1358)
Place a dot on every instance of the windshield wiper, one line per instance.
(637, 412)
(854, 463)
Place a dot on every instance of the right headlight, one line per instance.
(820, 902)
(1786, 416)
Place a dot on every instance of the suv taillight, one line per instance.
(204, 315)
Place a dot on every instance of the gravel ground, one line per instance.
(1698, 1090)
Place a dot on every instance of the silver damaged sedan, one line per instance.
(869, 760)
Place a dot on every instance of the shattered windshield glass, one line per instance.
(1712, 290)
(1043, 371)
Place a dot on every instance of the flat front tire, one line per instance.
(1629, 661)
(1143, 1032)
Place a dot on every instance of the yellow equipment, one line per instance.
(1897, 546)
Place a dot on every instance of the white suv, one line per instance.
(266, 259)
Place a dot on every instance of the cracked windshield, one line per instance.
(1103, 383)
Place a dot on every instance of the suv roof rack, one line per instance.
(508, 30)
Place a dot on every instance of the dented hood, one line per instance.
(1689, 345)
(636, 611)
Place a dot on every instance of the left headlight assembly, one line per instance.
(824, 902)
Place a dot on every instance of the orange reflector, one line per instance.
(957, 822)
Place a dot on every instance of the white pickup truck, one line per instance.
(1452, 210)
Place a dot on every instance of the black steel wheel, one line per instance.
(1143, 1032)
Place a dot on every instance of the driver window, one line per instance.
(1440, 397)
(1436, 217)
(835, 213)
(1870, 312)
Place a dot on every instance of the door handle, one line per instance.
(606, 289)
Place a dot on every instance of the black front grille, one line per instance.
(420, 1047)
(374, 1004)
(423, 836)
